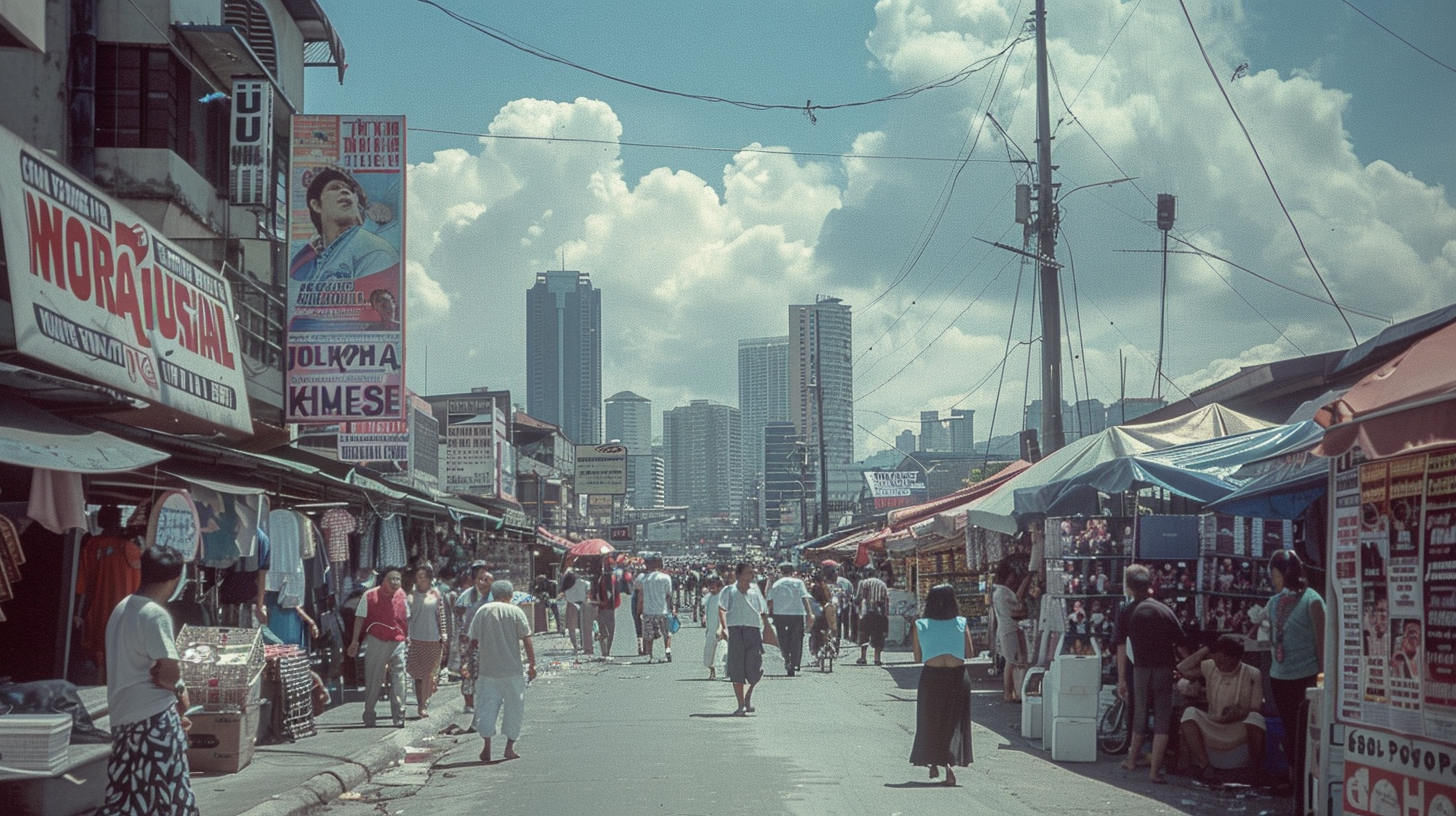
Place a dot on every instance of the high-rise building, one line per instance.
(905, 443)
(821, 371)
(962, 430)
(934, 436)
(564, 354)
(1130, 408)
(1089, 416)
(763, 395)
(629, 421)
(702, 450)
(786, 497)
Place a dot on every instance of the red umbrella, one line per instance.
(829, 562)
(590, 547)
(1402, 407)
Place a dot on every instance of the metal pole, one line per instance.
(1162, 321)
(1052, 435)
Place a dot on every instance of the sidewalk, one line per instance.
(287, 779)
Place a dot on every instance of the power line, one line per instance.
(808, 108)
(1398, 37)
(1268, 178)
(702, 148)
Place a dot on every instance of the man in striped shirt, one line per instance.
(872, 597)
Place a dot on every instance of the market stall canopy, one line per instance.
(997, 510)
(30, 437)
(1202, 471)
(1285, 492)
(557, 543)
(904, 517)
(590, 547)
(1405, 406)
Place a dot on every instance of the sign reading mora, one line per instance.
(346, 270)
(601, 470)
(99, 293)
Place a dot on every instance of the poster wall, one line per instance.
(346, 269)
(100, 293)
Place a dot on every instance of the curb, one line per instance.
(358, 768)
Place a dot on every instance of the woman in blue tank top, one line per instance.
(943, 702)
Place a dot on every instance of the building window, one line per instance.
(147, 97)
(251, 20)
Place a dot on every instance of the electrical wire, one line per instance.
(1270, 179)
(1413, 46)
(808, 108)
(1105, 52)
(703, 148)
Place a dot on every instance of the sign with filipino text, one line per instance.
(1391, 773)
(346, 301)
(601, 470)
(896, 488)
(250, 145)
(100, 293)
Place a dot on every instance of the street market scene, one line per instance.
(1015, 407)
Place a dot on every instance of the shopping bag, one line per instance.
(673, 624)
(770, 637)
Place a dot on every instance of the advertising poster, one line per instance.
(1407, 498)
(470, 457)
(1439, 580)
(1389, 774)
(383, 445)
(601, 470)
(1374, 593)
(250, 144)
(1345, 579)
(98, 292)
(346, 269)
(896, 488)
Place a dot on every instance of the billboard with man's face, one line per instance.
(346, 269)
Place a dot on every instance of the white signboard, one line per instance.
(100, 293)
(601, 470)
(470, 458)
(250, 147)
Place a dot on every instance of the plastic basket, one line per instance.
(220, 666)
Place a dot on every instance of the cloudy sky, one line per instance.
(702, 220)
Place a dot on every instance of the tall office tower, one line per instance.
(1130, 408)
(1089, 416)
(702, 449)
(962, 430)
(905, 442)
(821, 353)
(934, 435)
(564, 354)
(629, 421)
(786, 468)
(763, 395)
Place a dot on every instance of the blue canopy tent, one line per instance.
(1203, 471)
(1283, 493)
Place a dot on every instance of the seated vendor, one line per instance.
(1235, 695)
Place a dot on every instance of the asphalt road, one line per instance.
(626, 737)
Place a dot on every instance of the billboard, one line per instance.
(601, 470)
(896, 488)
(100, 293)
(346, 269)
(470, 457)
(250, 145)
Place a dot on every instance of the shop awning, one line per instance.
(908, 516)
(1404, 406)
(997, 511)
(1283, 493)
(30, 437)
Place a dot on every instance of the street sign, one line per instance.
(620, 532)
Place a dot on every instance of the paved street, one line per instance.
(657, 739)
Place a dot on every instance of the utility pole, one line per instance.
(1052, 435)
(1167, 213)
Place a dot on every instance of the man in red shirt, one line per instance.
(383, 615)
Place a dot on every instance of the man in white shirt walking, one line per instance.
(497, 634)
(788, 603)
(654, 604)
(742, 613)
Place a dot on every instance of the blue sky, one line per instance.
(694, 249)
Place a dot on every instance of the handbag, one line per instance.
(770, 637)
(1019, 610)
(673, 624)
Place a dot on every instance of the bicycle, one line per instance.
(1113, 734)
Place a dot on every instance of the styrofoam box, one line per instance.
(1074, 739)
(1031, 717)
(36, 742)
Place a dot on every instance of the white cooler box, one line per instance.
(1031, 704)
(1073, 685)
(1074, 739)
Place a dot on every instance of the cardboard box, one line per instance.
(1074, 739)
(222, 741)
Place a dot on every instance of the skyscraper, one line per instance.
(821, 357)
(786, 468)
(934, 436)
(763, 394)
(962, 430)
(702, 449)
(629, 421)
(564, 354)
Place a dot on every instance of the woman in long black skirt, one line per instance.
(943, 704)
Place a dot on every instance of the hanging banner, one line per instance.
(100, 293)
(346, 270)
(601, 470)
(250, 146)
(896, 488)
(1439, 587)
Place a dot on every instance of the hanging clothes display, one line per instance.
(222, 526)
(285, 576)
(337, 524)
